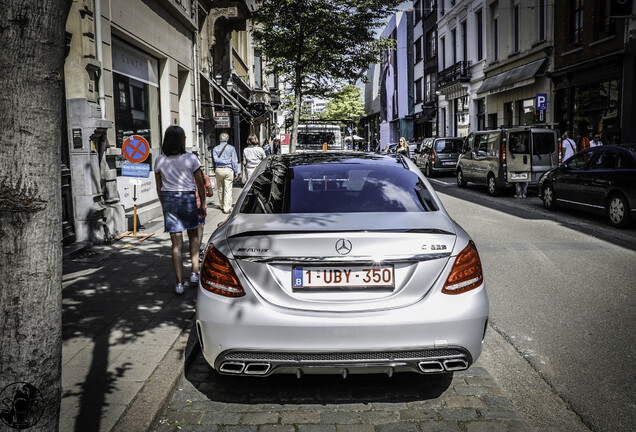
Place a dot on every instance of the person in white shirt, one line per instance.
(253, 154)
(596, 141)
(178, 177)
(568, 146)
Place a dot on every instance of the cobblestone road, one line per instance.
(468, 401)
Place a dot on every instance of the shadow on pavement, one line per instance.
(119, 317)
(313, 389)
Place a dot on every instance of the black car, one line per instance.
(600, 179)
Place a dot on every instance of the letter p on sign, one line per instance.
(542, 101)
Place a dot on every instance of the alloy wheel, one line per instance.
(617, 211)
(548, 197)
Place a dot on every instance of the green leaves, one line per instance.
(321, 41)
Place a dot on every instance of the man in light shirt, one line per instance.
(226, 170)
(596, 141)
(568, 146)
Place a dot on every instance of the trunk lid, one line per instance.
(270, 250)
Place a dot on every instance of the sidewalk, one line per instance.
(123, 329)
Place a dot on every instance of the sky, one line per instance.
(403, 6)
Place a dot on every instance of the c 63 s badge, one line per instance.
(434, 247)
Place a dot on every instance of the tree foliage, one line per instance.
(345, 104)
(319, 44)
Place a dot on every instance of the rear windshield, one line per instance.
(337, 188)
(448, 146)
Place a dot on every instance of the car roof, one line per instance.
(337, 157)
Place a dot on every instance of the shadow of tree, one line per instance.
(310, 389)
(120, 315)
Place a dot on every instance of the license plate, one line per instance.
(518, 176)
(449, 163)
(308, 278)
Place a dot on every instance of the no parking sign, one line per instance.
(135, 148)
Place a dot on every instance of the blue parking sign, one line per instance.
(542, 101)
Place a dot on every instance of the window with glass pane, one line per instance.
(337, 188)
(576, 21)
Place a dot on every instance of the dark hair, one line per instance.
(174, 141)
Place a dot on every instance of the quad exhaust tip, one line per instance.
(438, 366)
(264, 368)
(237, 368)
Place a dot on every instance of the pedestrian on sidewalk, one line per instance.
(253, 154)
(226, 170)
(568, 146)
(178, 176)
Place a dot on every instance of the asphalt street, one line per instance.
(561, 292)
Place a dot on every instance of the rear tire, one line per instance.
(618, 211)
(428, 170)
(493, 190)
(549, 197)
(460, 178)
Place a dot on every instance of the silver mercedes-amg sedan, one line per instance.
(340, 263)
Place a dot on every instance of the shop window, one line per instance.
(492, 121)
(526, 112)
(135, 94)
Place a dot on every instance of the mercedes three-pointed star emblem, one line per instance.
(343, 246)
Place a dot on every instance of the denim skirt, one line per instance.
(180, 211)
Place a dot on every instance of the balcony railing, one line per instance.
(459, 72)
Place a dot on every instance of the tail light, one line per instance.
(466, 273)
(503, 151)
(560, 151)
(433, 156)
(218, 276)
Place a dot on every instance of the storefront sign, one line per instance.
(222, 119)
(133, 63)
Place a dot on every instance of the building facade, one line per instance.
(594, 90)
(519, 59)
(129, 71)
(425, 68)
(396, 80)
(135, 67)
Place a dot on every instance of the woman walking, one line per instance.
(176, 173)
(252, 156)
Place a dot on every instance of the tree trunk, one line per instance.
(298, 99)
(32, 35)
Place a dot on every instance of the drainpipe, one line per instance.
(195, 70)
(100, 57)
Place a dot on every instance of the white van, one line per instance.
(499, 158)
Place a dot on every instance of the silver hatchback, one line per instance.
(340, 263)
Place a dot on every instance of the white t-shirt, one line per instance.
(177, 172)
(253, 155)
(569, 148)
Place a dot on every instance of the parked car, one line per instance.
(600, 180)
(498, 158)
(340, 263)
(438, 155)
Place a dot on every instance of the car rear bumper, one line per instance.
(248, 336)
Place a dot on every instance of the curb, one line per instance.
(148, 404)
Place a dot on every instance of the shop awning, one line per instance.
(513, 78)
(226, 94)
